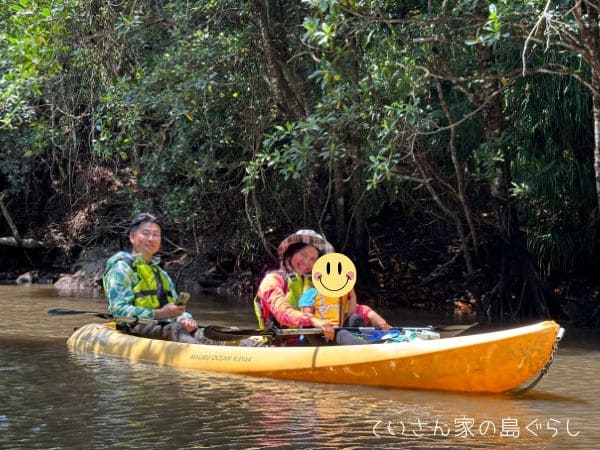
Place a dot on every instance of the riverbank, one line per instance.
(408, 266)
(408, 284)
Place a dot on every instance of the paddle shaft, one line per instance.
(298, 331)
(106, 316)
(232, 334)
(446, 330)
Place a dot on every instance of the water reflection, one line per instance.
(52, 398)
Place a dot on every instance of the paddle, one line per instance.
(219, 333)
(70, 312)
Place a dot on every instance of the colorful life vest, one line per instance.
(150, 289)
(333, 309)
(295, 285)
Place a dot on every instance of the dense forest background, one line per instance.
(450, 148)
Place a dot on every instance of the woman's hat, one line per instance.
(309, 237)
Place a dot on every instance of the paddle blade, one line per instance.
(70, 312)
(447, 331)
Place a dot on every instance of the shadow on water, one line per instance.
(549, 397)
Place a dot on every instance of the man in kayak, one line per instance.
(276, 302)
(136, 286)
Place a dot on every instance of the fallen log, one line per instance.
(25, 243)
(16, 240)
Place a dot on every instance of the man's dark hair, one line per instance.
(140, 219)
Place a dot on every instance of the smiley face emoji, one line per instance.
(334, 275)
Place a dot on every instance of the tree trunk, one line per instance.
(459, 171)
(429, 175)
(596, 116)
(340, 203)
(587, 15)
(361, 238)
(535, 298)
(287, 87)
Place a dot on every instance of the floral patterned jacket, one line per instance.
(119, 279)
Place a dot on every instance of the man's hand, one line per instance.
(169, 311)
(189, 324)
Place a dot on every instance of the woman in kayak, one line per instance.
(276, 302)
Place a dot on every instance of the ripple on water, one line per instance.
(51, 398)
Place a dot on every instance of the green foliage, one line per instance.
(178, 120)
(553, 177)
(491, 32)
(29, 36)
(181, 104)
(367, 95)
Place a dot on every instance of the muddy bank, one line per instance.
(87, 275)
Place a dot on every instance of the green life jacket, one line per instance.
(296, 285)
(150, 289)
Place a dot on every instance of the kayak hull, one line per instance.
(487, 362)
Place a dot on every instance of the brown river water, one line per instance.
(51, 398)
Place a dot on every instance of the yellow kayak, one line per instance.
(488, 362)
